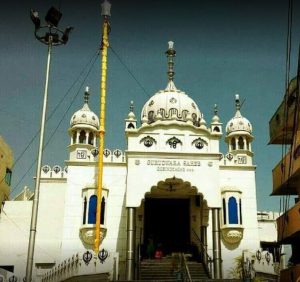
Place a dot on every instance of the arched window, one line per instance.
(224, 212)
(151, 117)
(130, 126)
(233, 144)
(102, 211)
(232, 211)
(92, 210)
(240, 208)
(84, 210)
(91, 138)
(82, 137)
(241, 143)
(216, 129)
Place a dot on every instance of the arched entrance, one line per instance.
(167, 222)
(171, 216)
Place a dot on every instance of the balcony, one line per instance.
(286, 174)
(290, 274)
(280, 130)
(288, 225)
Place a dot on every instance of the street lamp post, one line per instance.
(50, 35)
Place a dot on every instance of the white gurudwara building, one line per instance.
(171, 185)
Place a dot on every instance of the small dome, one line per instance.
(238, 122)
(85, 117)
(215, 118)
(171, 104)
(131, 115)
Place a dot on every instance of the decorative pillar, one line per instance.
(87, 134)
(236, 143)
(130, 259)
(217, 256)
(77, 137)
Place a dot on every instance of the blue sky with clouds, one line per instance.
(223, 48)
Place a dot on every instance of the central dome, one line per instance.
(171, 104)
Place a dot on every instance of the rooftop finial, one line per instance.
(131, 106)
(171, 53)
(105, 9)
(237, 102)
(86, 95)
(216, 109)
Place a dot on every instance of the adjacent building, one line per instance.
(6, 163)
(284, 129)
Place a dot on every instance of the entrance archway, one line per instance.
(172, 214)
(167, 222)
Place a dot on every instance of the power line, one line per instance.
(59, 4)
(52, 113)
(92, 60)
(129, 71)
(284, 201)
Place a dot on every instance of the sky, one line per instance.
(223, 48)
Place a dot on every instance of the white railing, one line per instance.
(81, 264)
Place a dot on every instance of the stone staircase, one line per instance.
(197, 271)
(162, 270)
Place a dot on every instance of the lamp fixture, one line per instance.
(34, 15)
(53, 16)
(49, 33)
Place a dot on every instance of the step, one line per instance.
(162, 270)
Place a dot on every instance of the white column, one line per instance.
(245, 143)
(77, 136)
(217, 256)
(131, 226)
(87, 133)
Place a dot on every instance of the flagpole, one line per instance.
(104, 46)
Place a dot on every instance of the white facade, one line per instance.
(172, 183)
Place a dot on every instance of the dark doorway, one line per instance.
(167, 222)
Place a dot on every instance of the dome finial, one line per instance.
(131, 108)
(237, 102)
(86, 95)
(170, 55)
(216, 110)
